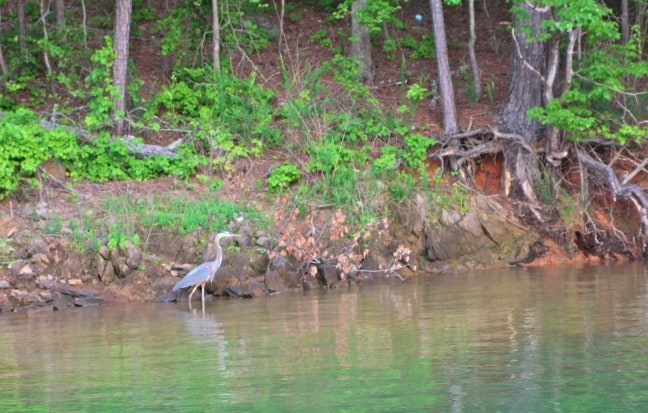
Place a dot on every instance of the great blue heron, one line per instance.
(205, 272)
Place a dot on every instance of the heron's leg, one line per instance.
(203, 292)
(193, 291)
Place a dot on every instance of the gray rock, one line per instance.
(274, 282)
(327, 275)
(286, 270)
(38, 246)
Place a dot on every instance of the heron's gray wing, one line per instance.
(193, 277)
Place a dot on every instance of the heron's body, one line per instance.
(205, 272)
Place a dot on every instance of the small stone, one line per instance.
(40, 260)
(26, 270)
(264, 242)
(38, 246)
(4, 284)
(75, 281)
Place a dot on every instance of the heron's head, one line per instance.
(224, 234)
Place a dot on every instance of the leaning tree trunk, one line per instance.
(361, 44)
(528, 66)
(122, 34)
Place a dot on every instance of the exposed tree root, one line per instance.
(622, 190)
(603, 240)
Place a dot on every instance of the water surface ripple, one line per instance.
(510, 340)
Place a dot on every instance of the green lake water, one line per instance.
(511, 340)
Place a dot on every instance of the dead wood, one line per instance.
(134, 147)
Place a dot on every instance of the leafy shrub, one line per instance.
(219, 104)
(283, 176)
(327, 157)
(24, 145)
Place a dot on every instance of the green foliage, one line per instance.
(24, 145)
(53, 226)
(183, 30)
(422, 49)
(547, 187)
(229, 117)
(141, 13)
(414, 154)
(468, 83)
(324, 5)
(598, 103)
(390, 46)
(401, 186)
(417, 147)
(387, 160)
(185, 215)
(100, 87)
(448, 197)
(283, 176)
(321, 38)
(414, 95)
(349, 113)
(339, 186)
(374, 15)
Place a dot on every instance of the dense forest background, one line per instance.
(541, 102)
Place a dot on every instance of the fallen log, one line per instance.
(135, 148)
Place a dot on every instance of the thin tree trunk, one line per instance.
(471, 51)
(85, 24)
(3, 62)
(48, 64)
(446, 89)
(625, 22)
(22, 27)
(553, 62)
(360, 43)
(217, 40)
(120, 68)
(282, 13)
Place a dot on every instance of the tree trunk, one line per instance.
(216, 27)
(44, 12)
(445, 76)
(120, 68)
(528, 68)
(360, 43)
(282, 34)
(59, 11)
(3, 62)
(528, 65)
(471, 50)
(625, 22)
(22, 27)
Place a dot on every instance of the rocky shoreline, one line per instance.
(47, 273)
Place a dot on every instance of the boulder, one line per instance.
(286, 269)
